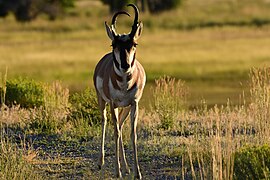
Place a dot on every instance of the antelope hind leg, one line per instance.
(102, 107)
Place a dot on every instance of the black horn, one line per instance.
(135, 23)
(115, 18)
(118, 13)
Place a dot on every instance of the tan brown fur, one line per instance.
(119, 80)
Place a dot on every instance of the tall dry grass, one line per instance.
(260, 102)
(210, 137)
(3, 87)
(169, 99)
(222, 131)
(16, 159)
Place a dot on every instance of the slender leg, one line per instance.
(114, 112)
(134, 117)
(123, 116)
(102, 108)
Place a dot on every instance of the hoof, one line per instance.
(138, 176)
(119, 176)
(126, 171)
(99, 167)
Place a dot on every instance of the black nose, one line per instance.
(125, 66)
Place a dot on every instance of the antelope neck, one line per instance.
(117, 65)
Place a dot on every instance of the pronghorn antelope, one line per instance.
(119, 80)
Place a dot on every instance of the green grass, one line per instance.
(213, 61)
(209, 44)
(209, 13)
(15, 158)
(200, 143)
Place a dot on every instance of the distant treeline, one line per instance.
(27, 10)
(153, 6)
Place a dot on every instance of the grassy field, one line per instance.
(214, 61)
(57, 141)
(211, 46)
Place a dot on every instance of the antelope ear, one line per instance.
(139, 31)
(109, 31)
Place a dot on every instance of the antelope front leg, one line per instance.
(134, 117)
(114, 112)
(104, 122)
(122, 116)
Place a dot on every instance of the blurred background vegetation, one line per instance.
(27, 10)
(191, 50)
(209, 44)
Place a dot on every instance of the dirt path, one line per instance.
(77, 159)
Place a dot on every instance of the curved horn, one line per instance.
(136, 18)
(115, 18)
(118, 13)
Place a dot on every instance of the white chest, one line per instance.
(123, 96)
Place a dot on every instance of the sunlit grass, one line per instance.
(16, 158)
(216, 57)
(205, 138)
(214, 62)
(212, 56)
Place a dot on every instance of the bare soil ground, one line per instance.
(77, 159)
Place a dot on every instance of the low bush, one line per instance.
(52, 116)
(84, 106)
(252, 163)
(169, 99)
(25, 92)
(156, 6)
(117, 5)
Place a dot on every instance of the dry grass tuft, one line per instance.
(169, 99)
(260, 102)
(16, 158)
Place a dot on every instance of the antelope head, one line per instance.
(124, 45)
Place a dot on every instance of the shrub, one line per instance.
(252, 163)
(169, 99)
(84, 106)
(67, 3)
(27, 93)
(48, 104)
(117, 4)
(156, 6)
(30, 9)
(52, 116)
